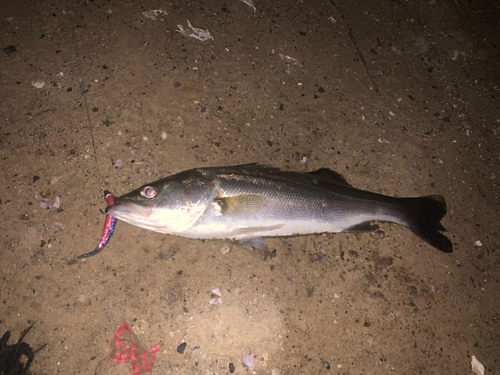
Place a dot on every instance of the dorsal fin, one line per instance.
(329, 175)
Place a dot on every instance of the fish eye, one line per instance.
(149, 192)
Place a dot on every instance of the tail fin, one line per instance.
(424, 220)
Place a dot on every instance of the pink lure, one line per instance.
(109, 227)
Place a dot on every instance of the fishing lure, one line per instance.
(109, 227)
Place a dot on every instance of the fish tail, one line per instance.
(424, 219)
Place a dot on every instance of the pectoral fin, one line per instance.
(241, 205)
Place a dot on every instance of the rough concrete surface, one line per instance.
(400, 97)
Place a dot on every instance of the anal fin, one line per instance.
(254, 230)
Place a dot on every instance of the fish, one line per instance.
(250, 202)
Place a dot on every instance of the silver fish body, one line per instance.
(251, 201)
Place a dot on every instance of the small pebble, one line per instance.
(163, 135)
(231, 368)
(181, 348)
(9, 49)
(38, 84)
(378, 233)
(477, 367)
(478, 243)
(57, 202)
(49, 193)
(247, 360)
(216, 297)
(224, 249)
(318, 257)
(58, 225)
(326, 364)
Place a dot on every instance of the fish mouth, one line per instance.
(137, 215)
(128, 211)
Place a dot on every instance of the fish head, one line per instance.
(165, 206)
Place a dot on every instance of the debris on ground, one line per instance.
(247, 360)
(290, 62)
(125, 347)
(225, 249)
(250, 4)
(38, 84)
(216, 297)
(155, 14)
(199, 34)
(477, 367)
